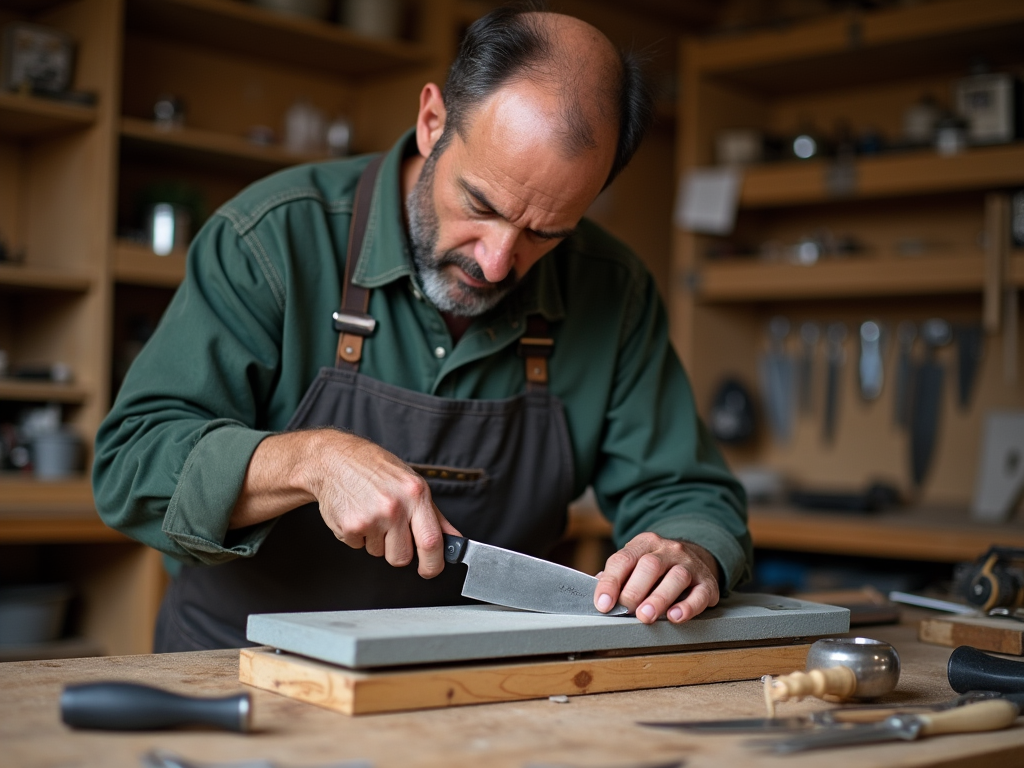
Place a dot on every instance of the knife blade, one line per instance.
(515, 580)
(992, 715)
(828, 718)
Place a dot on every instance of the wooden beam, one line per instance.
(360, 693)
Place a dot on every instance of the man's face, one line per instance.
(491, 204)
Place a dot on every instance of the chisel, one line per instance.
(116, 706)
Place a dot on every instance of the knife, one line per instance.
(992, 715)
(515, 580)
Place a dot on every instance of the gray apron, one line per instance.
(501, 471)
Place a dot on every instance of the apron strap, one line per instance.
(352, 320)
(535, 347)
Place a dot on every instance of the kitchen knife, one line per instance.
(992, 715)
(515, 580)
(828, 718)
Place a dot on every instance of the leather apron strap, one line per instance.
(352, 320)
(535, 347)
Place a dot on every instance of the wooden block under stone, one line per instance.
(354, 692)
(983, 632)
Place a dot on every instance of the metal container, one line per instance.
(875, 664)
(32, 614)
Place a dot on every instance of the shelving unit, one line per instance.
(28, 116)
(42, 392)
(18, 278)
(137, 265)
(932, 244)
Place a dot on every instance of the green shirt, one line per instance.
(250, 326)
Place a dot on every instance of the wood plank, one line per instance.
(922, 534)
(30, 117)
(910, 173)
(362, 693)
(985, 633)
(42, 391)
(1015, 269)
(209, 148)
(729, 281)
(46, 530)
(242, 28)
(137, 265)
(26, 277)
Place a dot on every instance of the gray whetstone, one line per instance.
(400, 636)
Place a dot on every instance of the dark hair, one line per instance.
(507, 44)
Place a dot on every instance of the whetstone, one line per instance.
(983, 632)
(407, 636)
(353, 692)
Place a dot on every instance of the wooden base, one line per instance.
(359, 693)
(985, 633)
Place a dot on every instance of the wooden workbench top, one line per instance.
(595, 730)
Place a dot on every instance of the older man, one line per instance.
(342, 378)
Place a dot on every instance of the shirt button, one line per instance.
(439, 352)
(416, 292)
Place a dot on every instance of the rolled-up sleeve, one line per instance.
(172, 454)
(659, 470)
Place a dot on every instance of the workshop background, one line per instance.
(830, 200)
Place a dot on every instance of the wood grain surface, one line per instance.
(988, 634)
(357, 693)
(596, 731)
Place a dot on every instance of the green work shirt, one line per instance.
(250, 326)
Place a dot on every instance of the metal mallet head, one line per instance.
(840, 667)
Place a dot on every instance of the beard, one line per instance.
(444, 290)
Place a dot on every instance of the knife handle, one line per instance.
(134, 707)
(453, 548)
(971, 670)
(833, 681)
(989, 715)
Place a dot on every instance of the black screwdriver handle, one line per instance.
(134, 707)
(971, 670)
(453, 546)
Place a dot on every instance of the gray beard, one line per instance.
(446, 292)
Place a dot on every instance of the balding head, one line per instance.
(597, 96)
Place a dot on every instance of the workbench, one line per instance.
(597, 730)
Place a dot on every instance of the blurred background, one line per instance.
(830, 200)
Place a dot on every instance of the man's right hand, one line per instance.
(368, 497)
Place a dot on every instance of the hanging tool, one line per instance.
(844, 667)
(970, 669)
(872, 350)
(927, 403)
(810, 332)
(970, 340)
(115, 706)
(906, 333)
(835, 337)
(991, 715)
(817, 720)
(777, 380)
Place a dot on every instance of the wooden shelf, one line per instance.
(20, 277)
(854, 277)
(30, 117)
(845, 50)
(210, 149)
(229, 25)
(1015, 269)
(913, 173)
(935, 535)
(137, 265)
(42, 391)
(51, 512)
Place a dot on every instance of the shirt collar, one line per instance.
(386, 255)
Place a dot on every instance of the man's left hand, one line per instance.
(650, 574)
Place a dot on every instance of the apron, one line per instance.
(501, 471)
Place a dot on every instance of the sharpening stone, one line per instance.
(400, 636)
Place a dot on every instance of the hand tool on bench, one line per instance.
(991, 715)
(970, 669)
(817, 720)
(515, 580)
(118, 706)
(841, 667)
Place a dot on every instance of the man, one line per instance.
(494, 354)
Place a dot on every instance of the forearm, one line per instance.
(281, 476)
